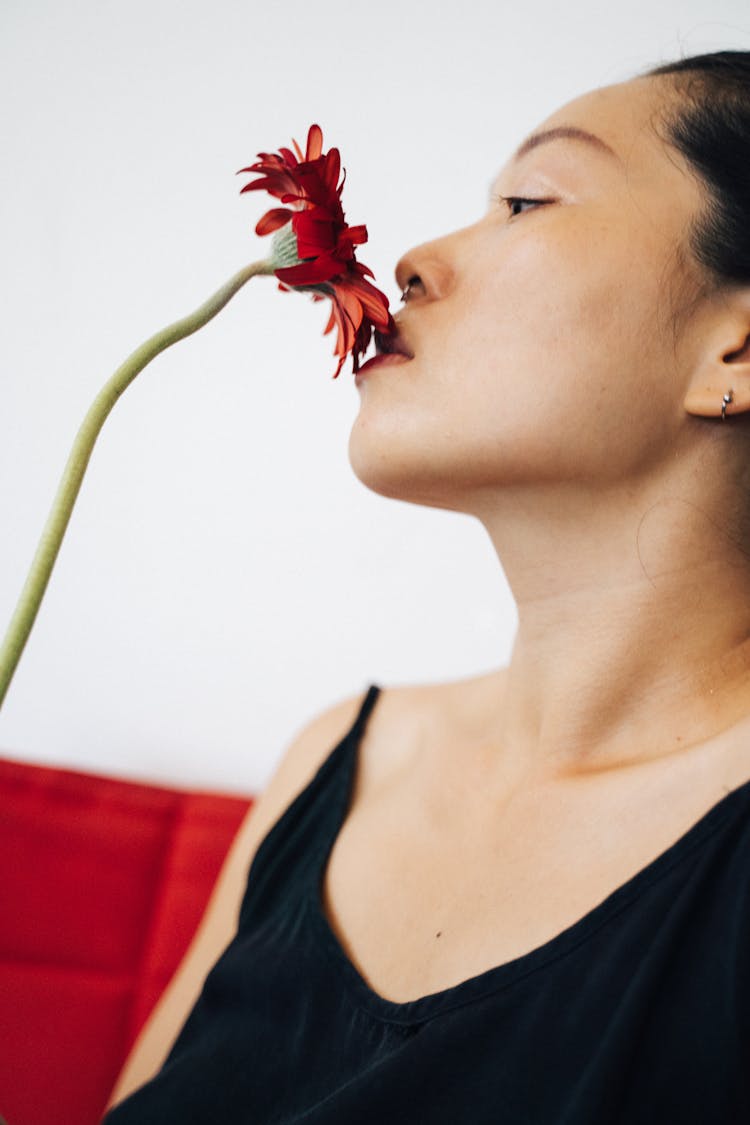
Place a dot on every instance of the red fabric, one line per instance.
(102, 885)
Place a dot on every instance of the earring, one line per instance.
(728, 397)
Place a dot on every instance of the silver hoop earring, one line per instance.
(728, 397)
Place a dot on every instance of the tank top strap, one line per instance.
(284, 852)
(342, 757)
(367, 705)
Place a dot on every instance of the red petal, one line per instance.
(314, 235)
(314, 142)
(275, 183)
(272, 220)
(373, 301)
(358, 235)
(352, 310)
(333, 167)
(309, 273)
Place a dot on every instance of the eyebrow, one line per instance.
(564, 132)
(560, 133)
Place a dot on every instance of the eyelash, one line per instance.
(511, 199)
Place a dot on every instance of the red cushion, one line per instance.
(102, 885)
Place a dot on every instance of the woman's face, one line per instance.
(542, 340)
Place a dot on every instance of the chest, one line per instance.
(423, 897)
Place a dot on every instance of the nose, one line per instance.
(427, 271)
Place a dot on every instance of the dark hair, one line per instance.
(709, 124)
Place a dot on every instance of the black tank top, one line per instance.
(639, 1012)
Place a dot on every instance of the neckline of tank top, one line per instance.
(492, 980)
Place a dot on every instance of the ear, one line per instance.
(726, 372)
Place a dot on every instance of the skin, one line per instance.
(555, 396)
(566, 391)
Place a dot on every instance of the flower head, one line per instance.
(314, 246)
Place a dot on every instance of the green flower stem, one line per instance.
(62, 506)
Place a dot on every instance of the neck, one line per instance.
(634, 626)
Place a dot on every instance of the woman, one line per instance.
(525, 897)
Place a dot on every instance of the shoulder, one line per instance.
(403, 718)
(437, 715)
(448, 704)
(300, 759)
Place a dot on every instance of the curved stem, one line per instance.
(62, 506)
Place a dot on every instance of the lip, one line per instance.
(387, 359)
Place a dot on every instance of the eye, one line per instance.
(511, 200)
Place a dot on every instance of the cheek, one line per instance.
(561, 339)
(574, 300)
(545, 363)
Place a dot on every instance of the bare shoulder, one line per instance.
(456, 702)
(409, 716)
(403, 717)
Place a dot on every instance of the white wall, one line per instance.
(225, 575)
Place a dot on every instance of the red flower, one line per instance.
(324, 262)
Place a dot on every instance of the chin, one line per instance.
(402, 474)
